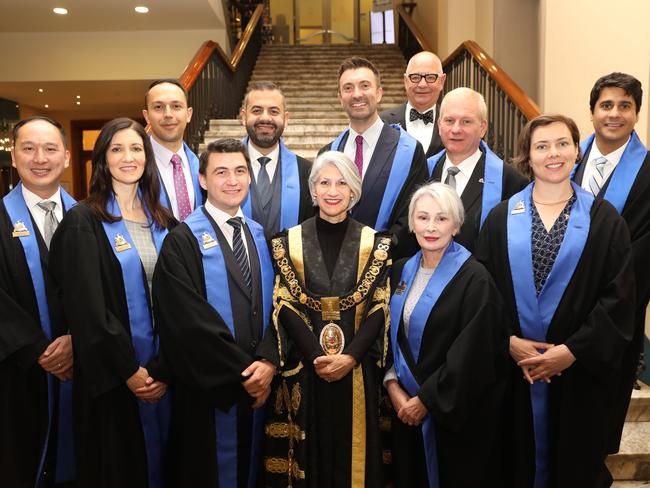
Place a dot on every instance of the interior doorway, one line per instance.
(326, 21)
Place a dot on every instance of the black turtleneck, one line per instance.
(330, 237)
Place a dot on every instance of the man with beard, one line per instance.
(423, 82)
(391, 162)
(278, 173)
(168, 114)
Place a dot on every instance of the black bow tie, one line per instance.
(427, 117)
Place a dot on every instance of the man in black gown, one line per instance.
(35, 347)
(212, 292)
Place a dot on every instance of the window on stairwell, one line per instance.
(382, 27)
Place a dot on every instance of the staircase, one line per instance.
(308, 76)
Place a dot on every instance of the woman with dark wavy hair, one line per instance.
(102, 257)
(562, 263)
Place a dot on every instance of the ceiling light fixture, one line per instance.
(78, 103)
(141, 9)
(78, 96)
(46, 106)
(60, 10)
(40, 90)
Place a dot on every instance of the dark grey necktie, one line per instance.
(452, 171)
(240, 251)
(50, 222)
(264, 182)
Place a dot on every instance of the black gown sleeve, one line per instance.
(102, 344)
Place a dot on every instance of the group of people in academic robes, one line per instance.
(207, 355)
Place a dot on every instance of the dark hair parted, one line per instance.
(522, 160)
(263, 86)
(101, 182)
(223, 146)
(34, 118)
(171, 81)
(356, 62)
(629, 84)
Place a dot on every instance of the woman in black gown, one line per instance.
(102, 257)
(449, 351)
(562, 262)
(330, 314)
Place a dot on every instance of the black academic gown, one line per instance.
(23, 383)
(374, 185)
(636, 213)
(594, 319)
(325, 412)
(397, 115)
(462, 370)
(472, 197)
(109, 441)
(205, 359)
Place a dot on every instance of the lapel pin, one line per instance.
(20, 230)
(121, 244)
(208, 241)
(518, 208)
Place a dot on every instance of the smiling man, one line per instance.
(212, 292)
(168, 114)
(616, 166)
(35, 345)
(391, 162)
(467, 164)
(423, 82)
(278, 174)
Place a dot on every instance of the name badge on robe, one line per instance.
(518, 208)
(481, 180)
(20, 230)
(208, 241)
(121, 243)
(401, 288)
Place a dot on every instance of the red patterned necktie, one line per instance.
(358, 156)
(180, 188)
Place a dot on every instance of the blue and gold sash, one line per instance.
(453, 259)
(536, 312)
(19, 214)
(492, 178)
(289, 207)
(154, 417)
(218, 295)
(626, 171)
(398, 173)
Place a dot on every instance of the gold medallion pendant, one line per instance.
(332, 339)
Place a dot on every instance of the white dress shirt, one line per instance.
(418, 129)
(38, 214)
(370, 138)
(166, 170)
(221, 218)
(254, 155)
(466, 168)
(612, 160)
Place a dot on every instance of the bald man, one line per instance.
(423, 82)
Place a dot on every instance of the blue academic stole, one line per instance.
(453, 259)
(194, 171)
(290, 203)
(19, 214)
(625, 173)
(154, 417)
(536, 312)
(218, 295)
(492, 179)
(398, 172)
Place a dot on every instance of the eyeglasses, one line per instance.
(428, 77)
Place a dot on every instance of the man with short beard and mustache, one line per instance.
(278, 173)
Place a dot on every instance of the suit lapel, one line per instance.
(381, 157)
(437, 170)
(474, 188)
(401, 116)
(580, 171)
(229, 258)
(435, 136)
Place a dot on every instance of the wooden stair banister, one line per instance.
(509, 107)
(216, 83)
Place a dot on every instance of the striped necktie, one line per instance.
(597, 178)
(240, 251)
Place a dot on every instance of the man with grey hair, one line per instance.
(467, 164)
(423, 82)
(278, 173)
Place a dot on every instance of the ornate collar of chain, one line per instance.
(330, 307)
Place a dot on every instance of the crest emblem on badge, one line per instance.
(208, 241)
(121, 243)
(20, 230)
(518, 208)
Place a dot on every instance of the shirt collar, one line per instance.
(612, 158)
(409, 107)
(221, 217)
(32, 200)
(254, 154)
(371, 134)
(466, 166)
(164, 155)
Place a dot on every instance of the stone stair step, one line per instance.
(633, 459)
(639, 410)
(631, 484)
(318, 124)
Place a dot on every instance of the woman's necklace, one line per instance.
(553, 203)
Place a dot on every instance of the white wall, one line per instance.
(120, 55)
